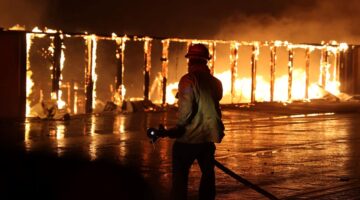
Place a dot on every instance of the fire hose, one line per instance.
(154, 134)
(244, 181)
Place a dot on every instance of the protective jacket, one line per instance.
(199, 109)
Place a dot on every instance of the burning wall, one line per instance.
(250, 71)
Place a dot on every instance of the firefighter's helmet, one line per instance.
(198, 51)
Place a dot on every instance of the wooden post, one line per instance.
(234, 48)
(254, 60)
(75, 88)
(337, 66)
(342, 77)
(290, 71)
(324, 67)
(164, 67)
(212, 51)
(56, 69)
(272, 71)
(147, 67)
(89, 84)
(307, 72)
(119, 84)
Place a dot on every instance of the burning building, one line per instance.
(37, 65)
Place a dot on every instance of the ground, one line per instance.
(292, 156)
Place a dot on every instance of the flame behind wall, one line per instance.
(290, 76)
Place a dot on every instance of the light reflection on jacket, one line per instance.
(199, 109)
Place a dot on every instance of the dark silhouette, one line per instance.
(199, 125)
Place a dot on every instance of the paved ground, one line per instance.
(313, 156)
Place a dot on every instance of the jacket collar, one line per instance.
(199, 68)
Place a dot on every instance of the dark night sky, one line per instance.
(297, 21)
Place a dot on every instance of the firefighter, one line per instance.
(199, 125)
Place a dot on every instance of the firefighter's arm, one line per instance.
(185, 113)
(185, 101)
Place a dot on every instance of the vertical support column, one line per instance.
(75, 88)
(147, 67)
(234, 48)
(307, 72)
(120, 55)
(71, 102)
(29, 82)
(254, 60)
(89, 68)
(272, 71)
(56, 70)
(290, 71)
(164, 67)
(343, 47)
(212, 51)
(69, 94)
(337, 66)
(324, 71)
(342, 71)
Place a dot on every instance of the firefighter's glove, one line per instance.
(175, 132)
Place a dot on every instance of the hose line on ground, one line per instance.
(244, 181)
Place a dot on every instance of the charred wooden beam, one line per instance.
(272, 71)
(307, 72)
(234, 48)
(290, 72)
(89, 84)
(342, 70)
(337, 66)
(120, 55)
(164, 68)
(75, 88)
(254, 60)
(324, 67)
(147, 67)
(212, 50)
(56, 68)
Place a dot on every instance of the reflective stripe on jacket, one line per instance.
(199, 109)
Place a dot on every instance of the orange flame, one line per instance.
(243, 88)
(29, 81)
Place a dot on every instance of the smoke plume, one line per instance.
(310, 23)
(22, 12)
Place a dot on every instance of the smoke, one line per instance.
(308, 23)
(23, 12)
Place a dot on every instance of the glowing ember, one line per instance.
(37, 30)
(343, 46)
(17, 27)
